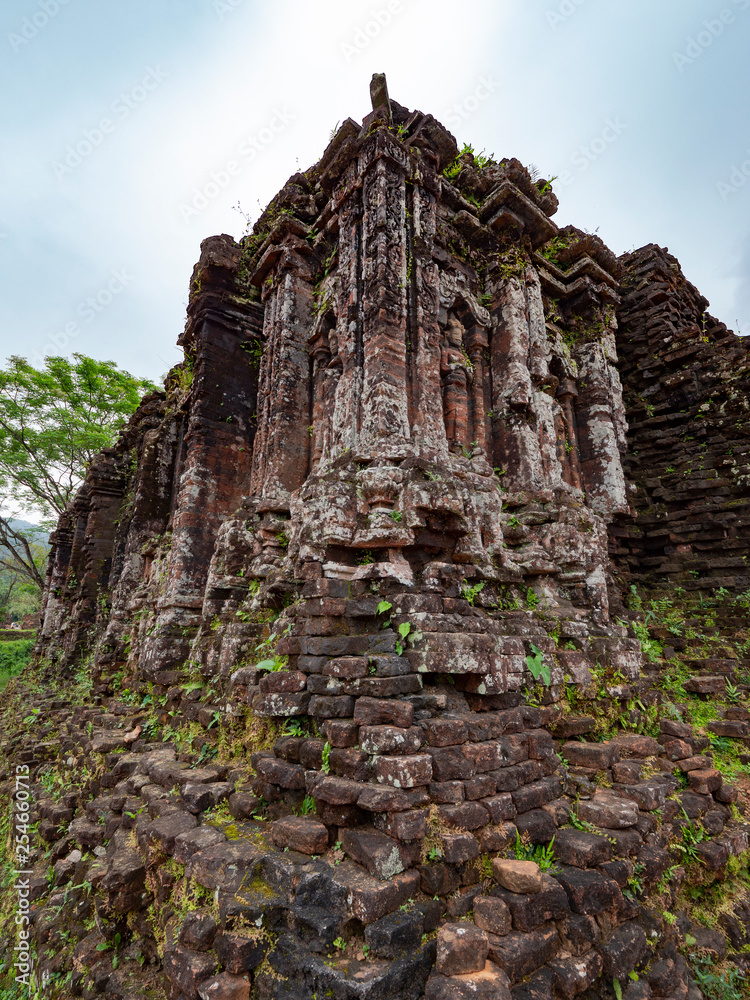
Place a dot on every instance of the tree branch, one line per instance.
(20, 549)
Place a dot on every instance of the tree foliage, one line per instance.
(53, 421)
(23, 555)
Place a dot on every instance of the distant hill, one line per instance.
(33, 532)
(27, 527)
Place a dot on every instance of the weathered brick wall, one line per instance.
(686, 384)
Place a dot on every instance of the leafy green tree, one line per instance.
(53, 421)
(21, 582)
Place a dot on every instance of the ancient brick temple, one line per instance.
(377, 531)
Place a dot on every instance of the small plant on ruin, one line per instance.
(325, 766)
(469, 593)
(453, 169)
(111, 945)
(207, 753)
(383, 608)
(306, 808)
(635, 602)
(542, 856)
(692, 835)
(218, 814)
(532, 599)
(581, 824)
(715, 983)
(282, 539)
(254, 351)
(272, 664)
(403, 630)
(546, 185)
(533, 695)
(395, 515)
(366, 558)
(406, 634)
(432, 843)
(183, 374)
(733, 693)
(650, 648)
(294, 728)
(668, 876)
(635, 884)
(538, 668)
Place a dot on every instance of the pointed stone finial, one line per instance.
(379, 93)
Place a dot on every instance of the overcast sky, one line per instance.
(130, 129)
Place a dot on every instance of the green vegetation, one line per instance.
(14, 656)
(551, 251)
(478, 160)
(272, 664)
(543, 856)
(716, 984)
(540, 670)
(306, 808)
(53, 421)
(469, 593)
